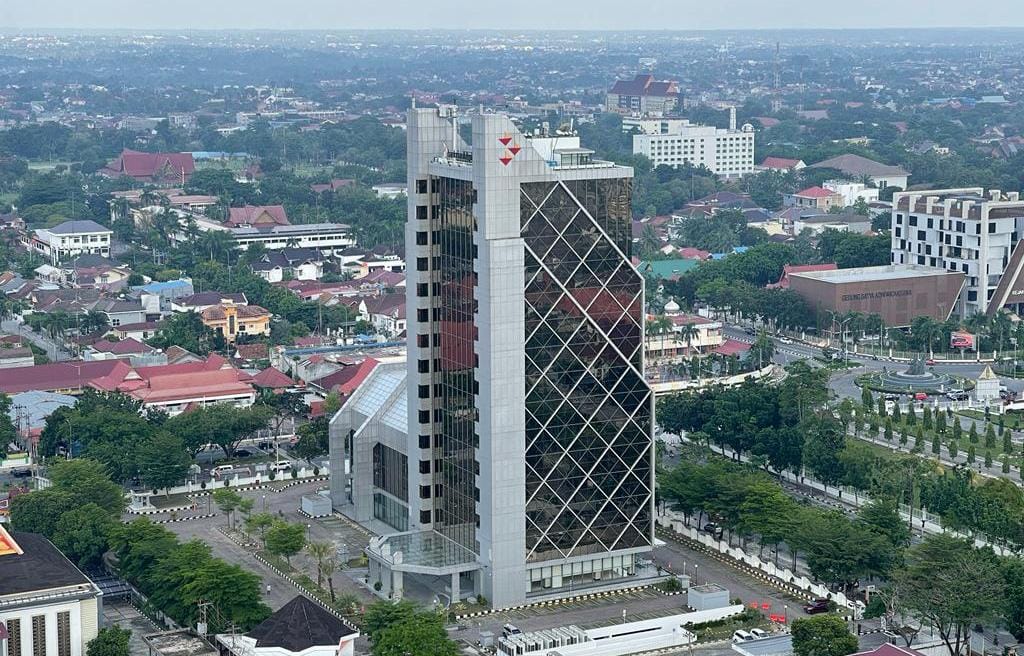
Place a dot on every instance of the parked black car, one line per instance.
(817, 606)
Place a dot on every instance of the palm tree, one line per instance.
(319, 552)
(659, 325)
(688, 332)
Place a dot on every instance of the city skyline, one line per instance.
(602, 15)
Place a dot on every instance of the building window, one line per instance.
(64, 633)
(421, 212)
(421, 186)
(38, 635)
(424, 517)
(14, 637)
(422, 263)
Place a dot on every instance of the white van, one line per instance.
(741, 636)
(220, 470)
(281, 466)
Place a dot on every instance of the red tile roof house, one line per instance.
(814, 197)
(781, 164)
(257, 216)
(787, 269)
(174, 168)
(170, 387)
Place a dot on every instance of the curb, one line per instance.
(184, 519)
(556, 602)
(740, 565)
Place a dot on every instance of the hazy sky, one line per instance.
(506, 14)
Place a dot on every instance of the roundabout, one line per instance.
(915, 379)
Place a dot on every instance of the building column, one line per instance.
(455, 587)
(397, 589)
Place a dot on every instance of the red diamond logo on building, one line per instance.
(505, 160)
(505, 140)
(514, 150)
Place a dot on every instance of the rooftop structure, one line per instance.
(856, 167)
(643, 95)
(325, 237)
(968, 230)
(71, 239)
(897, 293)
(175, 168)
(47, 605)
(728, 152)
(257, 216)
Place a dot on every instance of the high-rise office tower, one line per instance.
(530, 448)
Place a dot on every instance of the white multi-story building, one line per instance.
(964, 230)
(70, 239)
(676, 142)
(325, 237)
(852, 191)
(528, 464)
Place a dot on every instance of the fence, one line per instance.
(141, 501)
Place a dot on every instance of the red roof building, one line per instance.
(175, 168)
(347, 379)
(271, 378)
(257, 216)
(170, 387)
(783, 282)
(782, 164)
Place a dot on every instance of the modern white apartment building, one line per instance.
(675, 142)
(70, 239)
(529, 454)
(966, 230)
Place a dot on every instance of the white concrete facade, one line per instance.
(963, 230)
(675, 142)
(82, 617)
(498, 164)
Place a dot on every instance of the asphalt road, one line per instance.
(54, 351)
(284, 504)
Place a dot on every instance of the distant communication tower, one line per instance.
(776, 82)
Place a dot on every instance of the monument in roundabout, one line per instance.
(917, 377)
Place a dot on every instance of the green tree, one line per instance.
(940, 423)
(163, 461)
(867, 400)
(423, 634)
(971, 454)
(228, 502)
(382, 614)
(953, 446)
(972, 435)
(823, 442)
(285, 539)
(258, 524)
(39, 511)
(1007, 442)
(110, 641)
(888, 430)
(990, 437)
(823, 635)
(88, 482)
(313, 438)
(988, 458)
(936, 445)
(958, 429)
(882, 515)
(82, 534)
(926, 419)
(897, 414)
(952, 586)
